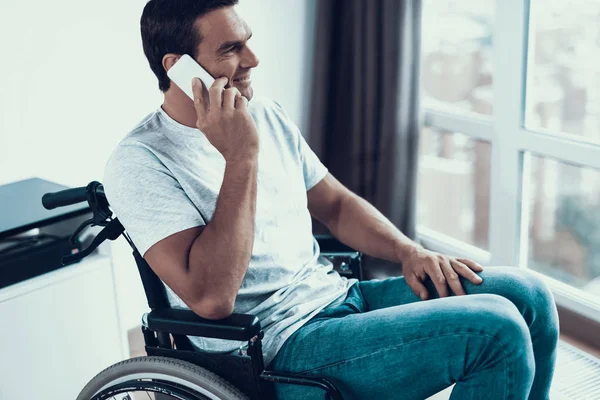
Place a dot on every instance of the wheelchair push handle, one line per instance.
(93, 194)
(69, 197)
(64, 198)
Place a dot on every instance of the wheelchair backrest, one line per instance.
(153, 286)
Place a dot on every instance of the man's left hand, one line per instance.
(419, 263)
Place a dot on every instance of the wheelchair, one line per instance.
(173, 368)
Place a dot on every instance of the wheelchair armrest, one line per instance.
(346, 261)
(330, 244)
(185, 322)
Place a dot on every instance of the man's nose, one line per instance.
(250, 59)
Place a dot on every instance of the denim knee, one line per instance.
(506, 324)
(502, 314)
(540, 304)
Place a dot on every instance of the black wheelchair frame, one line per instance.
(166, 330)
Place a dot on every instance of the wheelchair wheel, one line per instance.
(158, 378)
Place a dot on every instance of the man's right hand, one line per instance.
(224, 119)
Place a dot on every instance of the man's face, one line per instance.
(224, 50)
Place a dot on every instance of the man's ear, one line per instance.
(169, 60)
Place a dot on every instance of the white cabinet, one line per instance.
(58, 330)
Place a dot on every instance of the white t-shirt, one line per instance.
(165, 177)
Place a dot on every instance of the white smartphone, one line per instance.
(185, 70)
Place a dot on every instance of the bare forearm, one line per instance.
(362, 227)
(220, 256)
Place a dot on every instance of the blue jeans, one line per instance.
(383, 342)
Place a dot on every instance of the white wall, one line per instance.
(74, 80)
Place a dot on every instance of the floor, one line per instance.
(588, 349)
(136, 343)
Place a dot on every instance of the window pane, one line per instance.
(563, 85)
(453, 186)
(564, 222)
(456, 66)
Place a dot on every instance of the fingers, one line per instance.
(417, 286)
(230, 97)
(200, 100)
(434, 271)
(466, 272)
(452, 277)
(242, 103)
(471, 264)
(215, 93)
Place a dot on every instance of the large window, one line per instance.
(509, 167)
(564, 222)
(457, 55)
(453, 170)
(563, 71)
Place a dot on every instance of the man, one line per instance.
(218, 195)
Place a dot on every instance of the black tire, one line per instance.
(186, 374)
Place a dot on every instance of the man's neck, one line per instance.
(181, 109)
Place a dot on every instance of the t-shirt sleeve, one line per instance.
(313, 169)
(147, 199)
